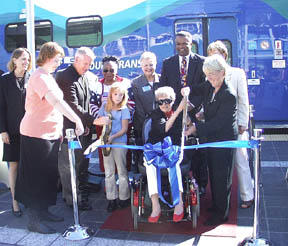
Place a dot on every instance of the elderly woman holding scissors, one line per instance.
(162, 126)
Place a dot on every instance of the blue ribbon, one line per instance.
(164, 155)
(251, 144)
(74, 145)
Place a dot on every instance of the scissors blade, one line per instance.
(92, 147)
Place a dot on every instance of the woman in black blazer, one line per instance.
(12, 103)
(219, 124)
(143, 88)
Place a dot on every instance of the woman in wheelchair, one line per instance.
(163, 119)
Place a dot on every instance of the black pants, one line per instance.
(199, 168)
(220, 165)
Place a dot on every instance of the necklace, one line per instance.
(20, 82)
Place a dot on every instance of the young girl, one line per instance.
(116, 106)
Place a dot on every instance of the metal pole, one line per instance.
(75, 232)
(254, 240)
(30, 30)
(251, 129)
(257, 136)
(70, 135)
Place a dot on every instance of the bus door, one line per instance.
(207, 30)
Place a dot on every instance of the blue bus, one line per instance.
(255, 32)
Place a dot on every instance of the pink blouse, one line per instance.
(41, 119)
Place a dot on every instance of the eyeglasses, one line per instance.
(108, 70)
(164, 101)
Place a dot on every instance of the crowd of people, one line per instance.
(36, 109)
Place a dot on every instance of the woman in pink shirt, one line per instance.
(41, 131)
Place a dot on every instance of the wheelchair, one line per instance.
(140, 200)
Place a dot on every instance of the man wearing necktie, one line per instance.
(178, 71)
(183, 71)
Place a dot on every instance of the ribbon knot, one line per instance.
(164, 155)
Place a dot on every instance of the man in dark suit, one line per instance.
(74, 82)
(178, 71)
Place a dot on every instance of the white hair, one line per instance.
(85, 51)
(165, 91)
(148, 55)
(215, 63)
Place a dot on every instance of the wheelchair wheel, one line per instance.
(134, 207)
(198, 201)
(193, 203)
(135, 218)
(132, 201)
(194, 216)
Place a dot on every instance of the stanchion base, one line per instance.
(77, 232)
(255, 242)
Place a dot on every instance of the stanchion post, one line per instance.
(254, 240)
(70, 135)
(257, 136)
(75, 232)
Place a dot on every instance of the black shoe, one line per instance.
(35, 224)
(84, 206)
(112, 205)
(47, 216)
(40, 228)
(202, 191)
(17, 213)
(215, 220)
(124, 203)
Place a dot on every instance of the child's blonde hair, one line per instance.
(123, 89)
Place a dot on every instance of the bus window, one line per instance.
(228, 44)
(15, 34)
(84, 31)
(193, 26)
(194, 48)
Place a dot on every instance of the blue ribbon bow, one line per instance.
(164, 155)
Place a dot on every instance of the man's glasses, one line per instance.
(164, 101)
(108, 70)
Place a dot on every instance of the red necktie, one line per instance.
(183, 71)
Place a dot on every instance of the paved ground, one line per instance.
(273, 215)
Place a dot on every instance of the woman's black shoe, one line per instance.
(17, 213)
(112, 205)
(124, 203)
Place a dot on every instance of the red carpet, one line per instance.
(122, 220)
